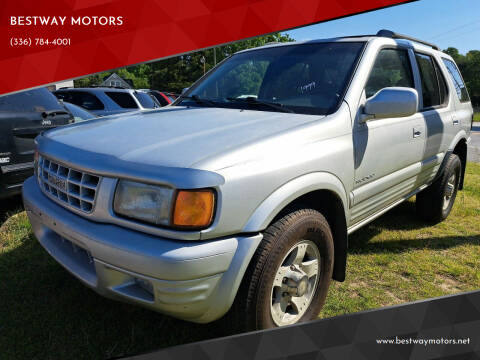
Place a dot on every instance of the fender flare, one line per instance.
(290, 191)
(461, 135)
(294, 189)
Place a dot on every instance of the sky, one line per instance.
(446, 23)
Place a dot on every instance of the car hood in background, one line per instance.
(177, 136)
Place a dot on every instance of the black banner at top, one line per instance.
(440, 328)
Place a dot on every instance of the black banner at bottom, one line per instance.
(440, 328)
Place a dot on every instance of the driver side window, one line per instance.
(391, 68)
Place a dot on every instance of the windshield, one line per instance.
(304, 78)
(78, 112)
(38, 100)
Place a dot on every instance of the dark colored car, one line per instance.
(22, 117)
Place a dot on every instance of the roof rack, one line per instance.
(393, 35)
(106, 86)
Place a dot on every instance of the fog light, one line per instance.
(145, 285)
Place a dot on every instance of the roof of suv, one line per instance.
(380, 34)
(97, 89)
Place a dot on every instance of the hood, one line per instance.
(177, 136)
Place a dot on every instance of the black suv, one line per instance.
(22, 117)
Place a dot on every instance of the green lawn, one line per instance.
(46, 313)
(476, 117)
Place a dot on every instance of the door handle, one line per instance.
(455, 122)
(416, 133)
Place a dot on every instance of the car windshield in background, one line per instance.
(78, 112)
(145, 100)
(304, 78)
(38, 100)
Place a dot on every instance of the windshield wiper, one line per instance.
(255, 101)
(200, 100)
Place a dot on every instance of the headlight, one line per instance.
(164, 206)
(143, 202)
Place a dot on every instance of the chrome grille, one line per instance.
(75, 188)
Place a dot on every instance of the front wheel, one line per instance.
(289, 275)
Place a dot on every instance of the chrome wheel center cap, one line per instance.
(297, 282)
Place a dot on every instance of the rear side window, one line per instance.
(442, 84)
(82, 99)
(123, 99)
(391, 68)
(457, 79)
(433, 84)
(38, 100)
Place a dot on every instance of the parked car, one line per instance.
(22, 117)
(106, 101)
(162, 97)
(172, 95)
(245, 203)
(79, 113)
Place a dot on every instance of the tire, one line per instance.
(435, 202)
(254, 307)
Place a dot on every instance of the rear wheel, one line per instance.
(435, 202)
(289, 275)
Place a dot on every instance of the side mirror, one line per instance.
(184, 90)
(391, 102)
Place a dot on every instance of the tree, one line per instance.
(90, 80)
(472, 75)
(177, 73)
(453, 52)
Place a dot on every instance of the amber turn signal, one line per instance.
(194, 208)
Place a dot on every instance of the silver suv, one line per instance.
(242, 194)
(103, 101)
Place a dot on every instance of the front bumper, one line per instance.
(9, 190)
(191, 280)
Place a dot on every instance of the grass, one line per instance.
(476, 117)
(46, 313)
